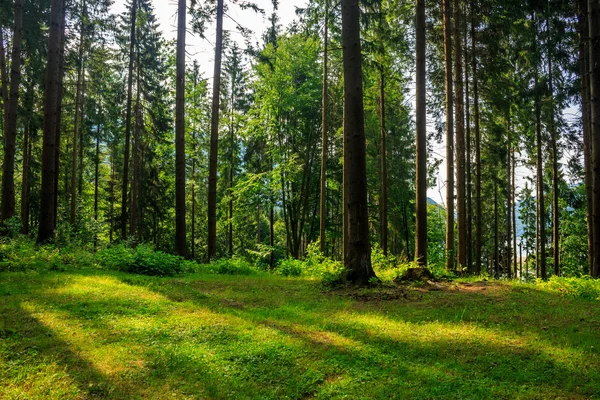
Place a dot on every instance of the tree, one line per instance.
(214, 138)
(324, 126)
(51, 94)
(357, 259)
(421, 201)
(449, 136)
(180, 228)
(594, 34)
(10, 118)
(125, 182)
(460, 140)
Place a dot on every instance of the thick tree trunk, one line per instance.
(358, 262)
(421, 116)
(10, 118)
(478, 208)
(324, 146)
(180, 224)
(383, 199)
(52, 87)
(124, 194)
(460, 140)
(214, 138)
(450, 255)
(586, 122)
(594, 31)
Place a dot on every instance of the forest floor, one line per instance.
(97, 334)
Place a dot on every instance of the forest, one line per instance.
(378, 199)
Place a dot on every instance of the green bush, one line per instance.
(143, 260)
(290, 267)
(232, 266)
(578, 287)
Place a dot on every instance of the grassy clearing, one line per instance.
(97, 334)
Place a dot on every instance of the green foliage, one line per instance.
(291, 267)
(22, 254)
(232, 266)
(143, 260)
(578, 287)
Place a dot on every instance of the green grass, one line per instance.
(97, 334)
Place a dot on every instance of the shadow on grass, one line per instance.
(267, 338)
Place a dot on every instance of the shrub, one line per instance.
(143, 260)
(233, 266)
(578, 287)
(290, 267)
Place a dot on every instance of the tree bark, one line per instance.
(383, 200)
(594, 32)
(25, 179)
(496, 233)
(586, 122)
(324, 146)
(508, 260)
(421, 123)
(124, 193)
(214, 139)
(3, 79)
(478, 208)
(96, 182)
(358, 265)
(541, 211)
(52, 87)
(78, 101)
(447, 11)
(460, 140)
(10, 118)
(555, 170)
(137, 150)
(180, 225)
(468, 163)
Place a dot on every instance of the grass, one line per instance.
(97, 334)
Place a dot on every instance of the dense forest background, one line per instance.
(112, 134)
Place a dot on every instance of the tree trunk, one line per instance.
(594, 30)
(469, 212)
(421, 119)
(460, 140)
(125, 182)
(3, 78)
(383, 201)
(52, 87)
(324, 146)
(496, 233)
(96, 182)
(478, 208)
(541, 217)
(180, 225)
(555, 170)
(358, 262)
(449, 136)
(214, 138)
(25, 178)
(78, 101)
(508, 261)
(137, 149)
(61, 77)
(514, 214)
(585, 117)
(10, 118)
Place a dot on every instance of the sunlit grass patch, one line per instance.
(92, 334)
